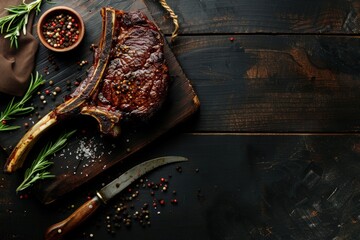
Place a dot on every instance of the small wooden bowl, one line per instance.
(52, 13)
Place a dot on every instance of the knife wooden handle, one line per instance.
(58, 230)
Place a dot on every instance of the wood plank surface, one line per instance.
(274, 150)
(274, 83)
(233, 187)
(261, 16)
(265, 83)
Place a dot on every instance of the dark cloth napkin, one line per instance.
(16, 65)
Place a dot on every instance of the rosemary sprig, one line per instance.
(17, 108)
(17, 20)
(37, 170)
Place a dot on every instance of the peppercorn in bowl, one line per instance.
(60, 29)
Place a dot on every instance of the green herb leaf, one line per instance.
(17, 20)
(14, 109)
(37, 170)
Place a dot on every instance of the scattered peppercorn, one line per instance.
(179, 169)
(58, 89)
(127, 212)
(82, 63)
(24, 196)
(46, 70)
(93, 47)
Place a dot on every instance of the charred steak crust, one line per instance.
(136, 79)
(128, 77)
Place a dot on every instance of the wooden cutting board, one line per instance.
(89, 153)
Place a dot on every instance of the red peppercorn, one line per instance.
(47, 91)
(231, 38)
(3, 122)
(162, 202)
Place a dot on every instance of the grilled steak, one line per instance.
(128, 77)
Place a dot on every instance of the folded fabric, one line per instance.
(16, 64)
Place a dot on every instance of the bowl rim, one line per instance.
(51, 11)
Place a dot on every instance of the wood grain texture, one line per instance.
(266, 187)
(274, 83)
(261, 83)
(248, 16)
(256, 83)
(273, 152)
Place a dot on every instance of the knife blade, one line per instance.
(58, 230)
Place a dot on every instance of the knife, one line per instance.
(58, 230)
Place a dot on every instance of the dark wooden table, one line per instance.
(274, 149)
